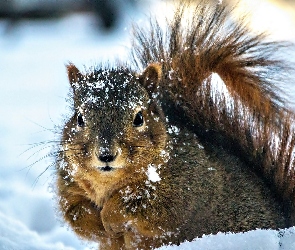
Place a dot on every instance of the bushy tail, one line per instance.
(252, 121)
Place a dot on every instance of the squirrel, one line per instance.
(152, 156)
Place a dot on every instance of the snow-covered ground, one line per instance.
(34, 86)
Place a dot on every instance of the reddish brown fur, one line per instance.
(202, 190)
(251, 71)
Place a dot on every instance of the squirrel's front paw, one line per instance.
(114, 221)
(114, 230)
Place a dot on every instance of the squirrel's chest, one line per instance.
(99, 186)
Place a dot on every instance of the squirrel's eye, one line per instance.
(138, 120)
(80, 120)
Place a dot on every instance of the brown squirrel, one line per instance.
(155, 158)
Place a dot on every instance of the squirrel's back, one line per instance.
(157, 158)
(252, 120)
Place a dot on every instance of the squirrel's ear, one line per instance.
(150, 77)
(74, 74)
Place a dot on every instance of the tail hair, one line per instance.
(254, 122)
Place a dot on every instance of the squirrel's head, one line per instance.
(117, 123)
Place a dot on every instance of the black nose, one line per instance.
(106, 157)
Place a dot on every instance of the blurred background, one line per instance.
(37, 39)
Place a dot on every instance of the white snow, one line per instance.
(253, 240)
(152, 174)
(16, 235)
(34, 86)
(173, 130)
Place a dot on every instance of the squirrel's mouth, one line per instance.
(106, 168)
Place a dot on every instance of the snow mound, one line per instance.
(14, 235)
(252, 240)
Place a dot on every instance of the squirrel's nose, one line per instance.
(106, 157)
(106, 154)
